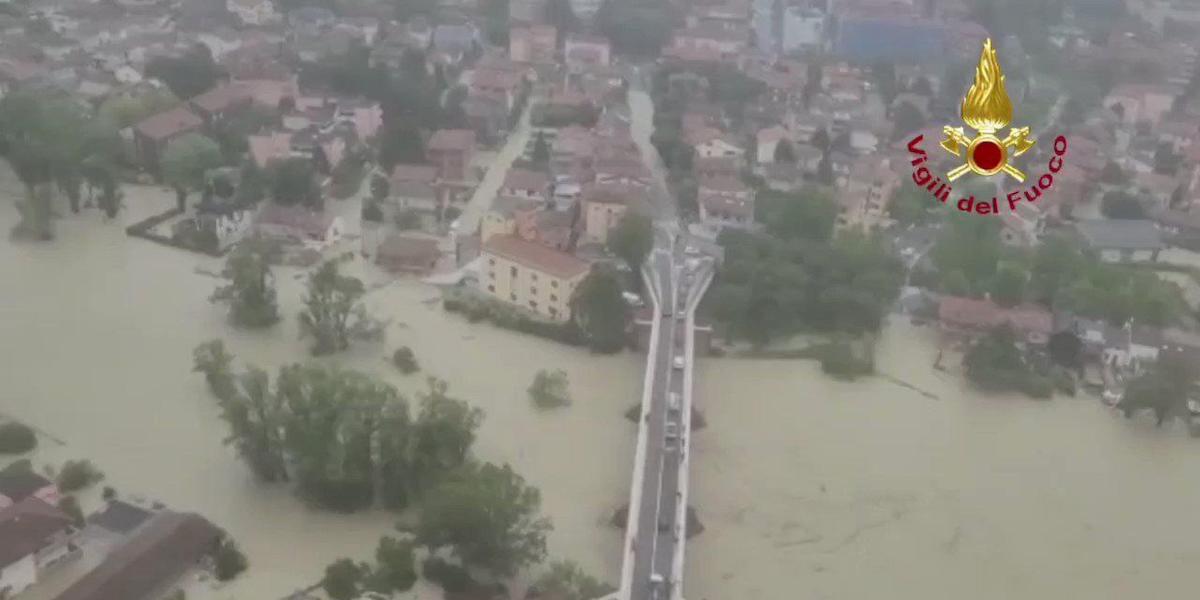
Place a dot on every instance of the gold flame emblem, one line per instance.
(987, 109)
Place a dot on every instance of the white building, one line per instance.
(803, 29)
(585, 9)
(252, 12)
(766, 26)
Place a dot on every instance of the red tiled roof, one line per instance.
(295, 217)
(973, 313)
(161, 552)
(524, 179)
(726, 205)
(170, 123)
(221, 97)
(25, 528)
(536, 256)
(406, 247)
(610, 193)
(724, 185)
(452, 139)
(414, 173)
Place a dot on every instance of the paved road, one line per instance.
(485, 192)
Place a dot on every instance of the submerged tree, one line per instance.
(250, 291)
(184, 163)
(566, 580)
(211, 359)
(255, 415)
(488, 516)
(1164, 390)
(632, 239)
(600, 311)
(47, 138)
(332, 312)
(442, 435)
(549, 389)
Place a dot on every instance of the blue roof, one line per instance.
(869, 40)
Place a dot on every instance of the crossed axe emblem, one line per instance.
(987, 154)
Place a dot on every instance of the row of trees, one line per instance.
(770, 287)
(347, 440)
(971, 260)
(333, 313)
(56, 145)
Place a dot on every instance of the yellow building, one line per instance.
(603, 207)
(496, 222)
(530, 275)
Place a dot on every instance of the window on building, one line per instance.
(492, 262)
(532, 304)
(491, 274)
(553, 283)
(553, 298)
(512, 297)
(533, 291)
(512, 271)
(533, 276)
(553, 311)
(492, 289)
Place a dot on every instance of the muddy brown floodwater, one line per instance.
(96, 332)
(808, 487)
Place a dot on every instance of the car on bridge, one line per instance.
(678, 362)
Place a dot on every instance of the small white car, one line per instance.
(678, 362)
(672, 430)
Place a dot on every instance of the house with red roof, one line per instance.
(603, 206)
(218, 102)
(532, 43)
(524, 184)
(152, 134)
(298, 224)
(35, 537)
(531, 276)
(152, 562)
(583, 52)
(969, 317)
(725, 202)
(451, 152)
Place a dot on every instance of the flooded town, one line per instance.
(598, 300)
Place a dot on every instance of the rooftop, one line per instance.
(120, 517)
(452, 139)
(172, 122)
(25, 528)
(414, 173)
(1120, 234)
(536, 256)
(525, 179)
(160, 553)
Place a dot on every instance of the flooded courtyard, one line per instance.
(807, 487)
